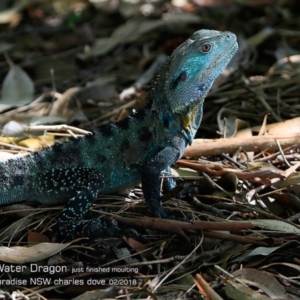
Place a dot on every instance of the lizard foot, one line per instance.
(90, 228)
(95, 228)
(160, 213)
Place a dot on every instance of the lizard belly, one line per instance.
(120, 179)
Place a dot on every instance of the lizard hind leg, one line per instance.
(80, 185)
(71, 222)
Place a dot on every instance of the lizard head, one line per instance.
(194, 66)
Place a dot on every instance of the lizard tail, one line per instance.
(14, 181)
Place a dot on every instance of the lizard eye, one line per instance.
(205, 48)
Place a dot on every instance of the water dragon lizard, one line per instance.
(133, 150)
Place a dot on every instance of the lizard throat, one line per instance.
(191, 122)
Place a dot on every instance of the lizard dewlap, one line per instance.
(136, 149)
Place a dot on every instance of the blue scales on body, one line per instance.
(136, 149)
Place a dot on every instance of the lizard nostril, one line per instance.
(228, 34)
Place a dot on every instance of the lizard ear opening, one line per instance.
(182, 77)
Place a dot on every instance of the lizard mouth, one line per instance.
(229, 51)
(231, 48)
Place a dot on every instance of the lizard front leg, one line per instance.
(169, 183)
(150, 174)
